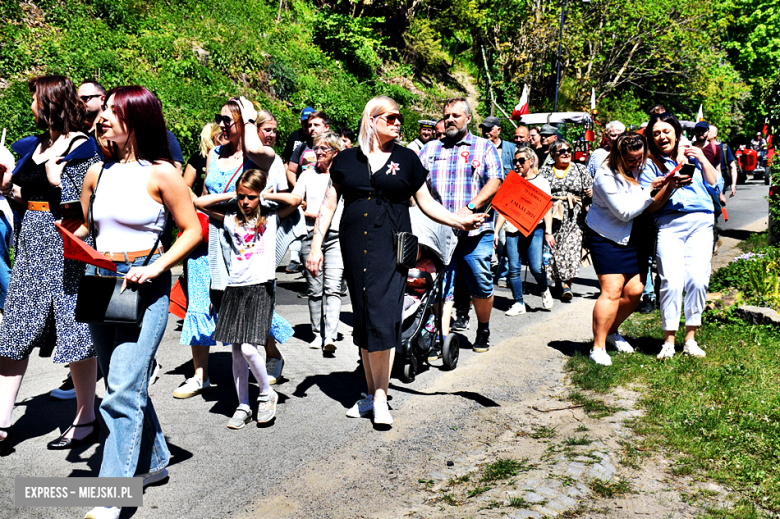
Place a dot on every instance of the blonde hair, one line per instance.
(377, 106)
(254, 180)
(207, 138)
(263, 116)
(329, 138)
(530, 154)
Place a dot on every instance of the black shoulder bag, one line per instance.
(99, 300)
(406, 244)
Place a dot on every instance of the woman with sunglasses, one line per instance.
(620, 238)
(530, 246)
(377, 179)
(241, 149)
(324, 289)
(684, 244)
(571, 188)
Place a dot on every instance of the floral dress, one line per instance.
(568, 194)
(41, 301)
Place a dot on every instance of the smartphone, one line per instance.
(72, 210)
(687, 170)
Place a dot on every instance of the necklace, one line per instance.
(561, 175)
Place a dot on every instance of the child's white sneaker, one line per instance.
(103, 512)
(692, 349)
(667, 351)
(516, 309)
(600, 356)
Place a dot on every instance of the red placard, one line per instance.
(521, 202)
(76, 249)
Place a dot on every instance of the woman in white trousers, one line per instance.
(684, 245)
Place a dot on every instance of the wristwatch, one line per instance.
(471, 207)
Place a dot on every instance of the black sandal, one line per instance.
(70, 443)
(7, 442)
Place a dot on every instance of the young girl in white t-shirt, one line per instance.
(248, 303)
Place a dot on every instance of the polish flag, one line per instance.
(589, 135)
(765, 130)
(700, 115)
(592, 99)
(522, 106)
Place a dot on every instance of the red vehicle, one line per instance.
(747, 163)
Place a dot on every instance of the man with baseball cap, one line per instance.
(299, 136)
(701, 140)
(549, 135)
(426, 133)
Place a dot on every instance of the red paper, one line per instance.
(76, 249)
(521, 202)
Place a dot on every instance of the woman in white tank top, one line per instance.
(132, 195)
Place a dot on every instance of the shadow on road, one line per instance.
(469, 395)
(341, 386)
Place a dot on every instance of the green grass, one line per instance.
(518, 502)
(577, 440)
(450, 500)
(543, 432)
(610, 489)
(479, 490)
(754, 241)
(719, 415)
(593, 406)
(503, 469)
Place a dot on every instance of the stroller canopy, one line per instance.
(437, 237)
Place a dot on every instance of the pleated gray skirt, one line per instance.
(245, 315)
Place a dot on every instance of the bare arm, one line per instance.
(261, 155)
(284, 198)
(190, 175)
(87, 188)
(436, 212)
(292, 170)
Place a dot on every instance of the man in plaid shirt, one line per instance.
(465, 171)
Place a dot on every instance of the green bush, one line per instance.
(423, 48)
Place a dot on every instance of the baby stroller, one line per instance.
(424, 300)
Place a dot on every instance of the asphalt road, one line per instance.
(215, 471)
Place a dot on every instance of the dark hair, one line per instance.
(347, 134)
(59, 108)
(657, 109)
(140, 112)
(557, 145)
(319, 115)
(626, 142)
(665, 117)
(100, 88)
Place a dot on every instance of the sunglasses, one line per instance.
(564, 151)
(324, 149)
(520, 161)
(224, 119)
(393, 118)
(86, 99)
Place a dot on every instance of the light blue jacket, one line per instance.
(507, 156)
(694, 198)
(616, 202)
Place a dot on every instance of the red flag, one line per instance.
(765, 129)
(76, 249)
(522, 105)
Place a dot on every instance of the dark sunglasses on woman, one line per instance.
(564, 151)
(520, 161)
(392, 118)
(224, 119)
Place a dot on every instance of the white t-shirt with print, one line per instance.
(277, 176)
(253, 254)
(311, 187)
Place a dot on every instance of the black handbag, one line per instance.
(407, 245)
(100, 300)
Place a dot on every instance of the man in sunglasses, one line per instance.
(93, 95)
(465, 170)
(426, 133)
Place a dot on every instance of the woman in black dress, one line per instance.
(377, 180)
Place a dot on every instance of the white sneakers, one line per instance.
(382, 413)
(193, 386)
(103, 512)
(516, 309)
(692, 348)
(667, 351)
(363, 407)
(621, 344)
(316, 344)
(600, 356)
(329, 346)
(547, 300)
(274, 368)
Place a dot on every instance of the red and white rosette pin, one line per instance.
(465, 155)
(393, 168)
(475, 163)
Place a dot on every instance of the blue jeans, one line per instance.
(135, 443)
(517, 246)
(473, 255)
(502, 270)
(5, 259)
(649, 289)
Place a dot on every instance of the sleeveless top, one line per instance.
(126, 218)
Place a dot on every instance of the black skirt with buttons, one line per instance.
(373, 212)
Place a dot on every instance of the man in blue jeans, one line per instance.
(466, 172)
